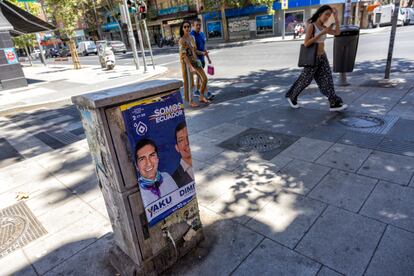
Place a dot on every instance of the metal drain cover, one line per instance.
(260, 142)
(363, 121)
(264, 143)
(18, 227)
(367, 123)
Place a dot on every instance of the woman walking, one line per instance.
(321, 72)
(190, 64)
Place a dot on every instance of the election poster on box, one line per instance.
(158, 137)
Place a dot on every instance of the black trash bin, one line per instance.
(345, 49)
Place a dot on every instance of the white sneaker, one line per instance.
(293, 104)
(338, 107)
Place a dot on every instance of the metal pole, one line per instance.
(141, 43)
(392, 39)
(347, 15)
(283, 25)
(357, 21)
(347, 18)
(42, 55)
(131, 34)
(149, 42)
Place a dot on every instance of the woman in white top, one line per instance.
(321, 72)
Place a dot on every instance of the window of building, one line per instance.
(214, 29)
(264, 24)
(292, 19)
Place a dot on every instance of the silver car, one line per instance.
(117, 46)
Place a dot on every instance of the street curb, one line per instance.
(257, 41)
(7, 111)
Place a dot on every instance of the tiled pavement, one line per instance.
(329, 200)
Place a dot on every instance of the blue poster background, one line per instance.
(162, 133)
(156, 119)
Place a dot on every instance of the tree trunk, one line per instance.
(28, 55)
(224, 23)
(74, 54)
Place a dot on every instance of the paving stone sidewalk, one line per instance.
(333, 196)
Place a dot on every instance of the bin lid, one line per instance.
(348, 30)
(123, 94)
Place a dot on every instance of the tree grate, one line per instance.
(18, 227)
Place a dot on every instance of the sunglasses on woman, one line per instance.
(186, 26)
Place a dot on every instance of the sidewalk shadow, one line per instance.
(257, 204)
(226, 89)
(83, 257)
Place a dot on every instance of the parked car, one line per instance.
(408, 15)
(52, 53)
(36, 53)
(64, 52)
(87, 47)
(117, 46)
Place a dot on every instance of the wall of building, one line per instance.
(245, 23)
(288, 18)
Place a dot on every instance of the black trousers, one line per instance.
(323, 77)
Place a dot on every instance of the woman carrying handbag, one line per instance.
(318, 68)
(190, 64)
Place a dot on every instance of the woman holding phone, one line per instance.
(321, 72)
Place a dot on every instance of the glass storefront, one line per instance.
(292, 19)
(264, 24)
(214, 30)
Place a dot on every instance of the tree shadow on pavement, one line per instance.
(81, 257)
(255, 82)
(240, 210)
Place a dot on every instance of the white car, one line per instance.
(87, 47)
(408, 15)
(36, 53)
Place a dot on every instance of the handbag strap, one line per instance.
(313, 33)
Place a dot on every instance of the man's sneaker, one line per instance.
(338, 106)
(209, 96)
(196, 93)
(293, 102)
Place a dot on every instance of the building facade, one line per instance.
(165, 16)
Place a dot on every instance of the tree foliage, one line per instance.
(67, 14)
(28, 40)
(34, 8)
(24, 41)
(213, 5)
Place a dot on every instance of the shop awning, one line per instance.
(372, 7)
(22, 21)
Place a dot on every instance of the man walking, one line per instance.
(202, 53)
